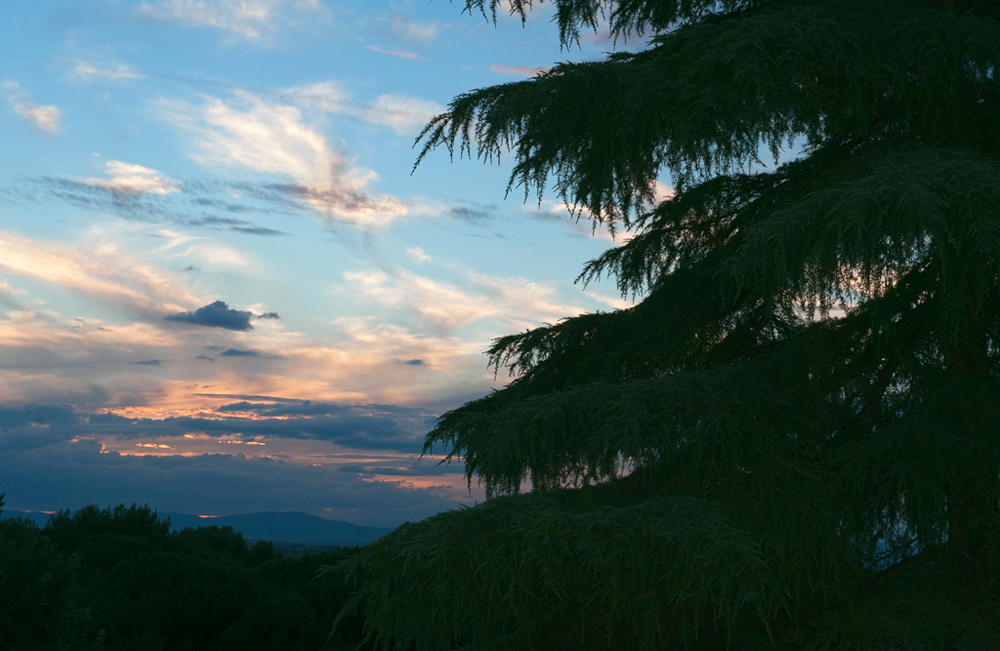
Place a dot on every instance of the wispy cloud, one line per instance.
(401, 113)
(126, 178)
(97, 268)
(417, 254)
(442, 304)
(402, 54)
(411, 31)
(521, 71)
(614, 302)
(250, 19)
(274, 138)
(372, 356)
(404, 114)
(341, 202)
(45, 118)
(264, 136)
(86, 72)
(446, 306)
(534, 303)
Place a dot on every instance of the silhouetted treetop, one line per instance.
(703, 99)
(792, 440)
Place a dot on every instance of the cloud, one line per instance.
(96, 267)
(442, 304)
(267, 315)
(471, 214)
(353, 206)
(446, 306)
(521, 71)
(235, 225)
(250, 19)
(615, 302)
(92, 362)
(45, 118)
(533, 303)
(144, 195)
(371, 426)
(404, 114)
(418, 255)
(126, 178)
(259, 135)
(413, 32)
(215, 315)
(273, 138)
(149, 362)
(87, 71)
(119, 307)
(233, 352)
(368, 352)
(258, 230)
(73, 474)
(401, 113)
(402, 54)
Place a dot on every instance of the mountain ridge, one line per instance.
(276, 526)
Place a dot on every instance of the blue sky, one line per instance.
(221, 288)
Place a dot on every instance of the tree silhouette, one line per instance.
(791, 441)
(118, 579)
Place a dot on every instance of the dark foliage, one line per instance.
(119, 580)
(793, 440)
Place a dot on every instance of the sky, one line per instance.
(223, 287)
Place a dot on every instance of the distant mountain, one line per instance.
(292, 527)
(285, 527)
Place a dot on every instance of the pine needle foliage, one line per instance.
(792, 441)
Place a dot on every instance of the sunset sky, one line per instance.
(221, 289)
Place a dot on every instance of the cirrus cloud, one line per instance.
(446, 306)
(403, 114)
(87, 72)
(402, 54)
(250, 19)
(411, 31)
(274, 138)
(127, 178)
(45, 118)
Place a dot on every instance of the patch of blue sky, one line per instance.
(162, 155)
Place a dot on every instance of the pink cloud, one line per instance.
(522, 71)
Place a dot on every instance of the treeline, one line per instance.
(120, 580)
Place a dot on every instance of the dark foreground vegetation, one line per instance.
(792, 440)
(118, 579)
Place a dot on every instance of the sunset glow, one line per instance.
(221, 288)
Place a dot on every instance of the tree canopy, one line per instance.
(120, 580)
(792, 441)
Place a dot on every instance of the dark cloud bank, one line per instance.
(49, 459)
(365, 427)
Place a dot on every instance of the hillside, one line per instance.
(293, 527)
